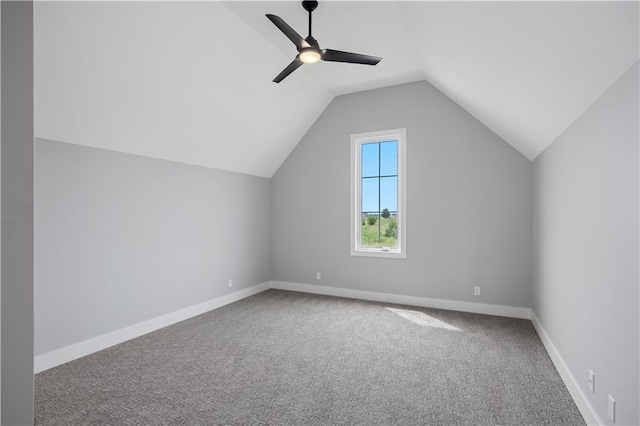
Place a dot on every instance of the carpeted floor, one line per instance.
(292, 358)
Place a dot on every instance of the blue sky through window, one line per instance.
(379, 176)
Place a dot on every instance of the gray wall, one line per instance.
(586, 247)
(17, 213)
(121, 239)
(468, 198)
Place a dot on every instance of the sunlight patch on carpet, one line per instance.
(423, 319)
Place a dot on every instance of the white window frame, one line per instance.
(357, 140)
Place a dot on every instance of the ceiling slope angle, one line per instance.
(181, 81)
(372, 28)
(526, 70)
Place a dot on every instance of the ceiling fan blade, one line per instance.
(288, 31)
(288, 70)
(352, 58)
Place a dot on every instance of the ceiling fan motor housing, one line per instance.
(312, 42)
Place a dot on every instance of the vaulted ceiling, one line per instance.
(191, 81)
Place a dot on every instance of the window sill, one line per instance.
(390, 254)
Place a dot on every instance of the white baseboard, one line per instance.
(450, 305)
(585, 407)
(78, 350)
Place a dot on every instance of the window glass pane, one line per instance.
(389, 194)
(370, 235)
(389, 158)
(370, 195)
(389, 217)
(370, 159)
(389, 232)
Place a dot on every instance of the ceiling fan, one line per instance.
(309, 51)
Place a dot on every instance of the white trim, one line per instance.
(585, 407)
(450, 305)
(357, 140)
(78, 350)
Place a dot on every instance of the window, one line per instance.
(378, 194)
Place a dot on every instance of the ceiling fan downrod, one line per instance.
(310, 6)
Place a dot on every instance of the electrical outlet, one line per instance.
(318, 275)
(230, 283)
(592, 381)
(612, 409)
(476, 291)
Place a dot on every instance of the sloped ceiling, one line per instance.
(526, 70)
(187, 82)
(191, 81)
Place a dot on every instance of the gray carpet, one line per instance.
(292, 358)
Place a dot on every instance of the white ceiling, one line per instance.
(187, 82)
(526, 70)
(191, 81)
